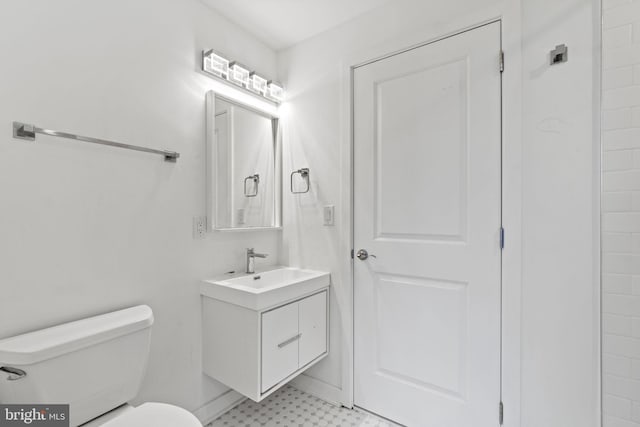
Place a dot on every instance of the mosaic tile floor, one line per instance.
(290, 407)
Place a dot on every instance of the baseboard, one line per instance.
(327, 392)
(218, 406)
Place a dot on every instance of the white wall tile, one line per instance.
(635, 243)
(635, 411)
(635, 327)
(620, 305)
(617, 201)
(616, 325)
(635, 368)
(617, 365)
(635, 286)
(622, 139)
(627, 96)
(625, 14)
(621, 387)
(613, 78)
(636, 68)
(621, 222)
(616, 119)
(621, 212)
(617, 160)
(617, 263)
(617, 283)
(621, 181)
(616, 37)
(636, 159)
(611, 421)
(617, 406)
(635, 117)
(610, 4)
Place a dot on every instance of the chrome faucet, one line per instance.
(251, 260)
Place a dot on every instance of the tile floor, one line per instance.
(290, 407)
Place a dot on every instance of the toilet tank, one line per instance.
(94, 364)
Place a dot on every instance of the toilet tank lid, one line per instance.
(43, 344)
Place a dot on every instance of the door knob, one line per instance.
(363, 255)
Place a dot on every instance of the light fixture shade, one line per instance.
(257, 84)
(238, 74)
(275, 91)
(215, 64)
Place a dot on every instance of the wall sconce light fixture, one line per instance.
(215, 64)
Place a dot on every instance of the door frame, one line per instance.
(511, 219)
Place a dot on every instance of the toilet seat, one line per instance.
(154, 414)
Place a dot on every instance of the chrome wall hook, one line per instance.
(559, 55)
(304, 174)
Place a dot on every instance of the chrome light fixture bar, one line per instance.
(215, 64)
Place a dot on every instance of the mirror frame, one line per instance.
(211, 164)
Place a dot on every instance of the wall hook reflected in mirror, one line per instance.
(256, 181)
(304, 174)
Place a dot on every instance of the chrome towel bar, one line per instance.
(28, 132)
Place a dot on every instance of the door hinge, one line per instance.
(352, 254)
(501, 415)
(501, 237)
(502, 61)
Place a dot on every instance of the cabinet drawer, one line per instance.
(312, 315)
(280, 338)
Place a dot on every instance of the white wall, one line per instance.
(559, 215)
(550, 286)
(88, 229)
(621, 213)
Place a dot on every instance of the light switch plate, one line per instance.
(199, 227)
(241, 216)
(328, 214)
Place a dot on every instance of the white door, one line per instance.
(427, 203)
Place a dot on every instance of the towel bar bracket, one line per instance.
(24, 131)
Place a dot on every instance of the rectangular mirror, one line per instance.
(244, 166)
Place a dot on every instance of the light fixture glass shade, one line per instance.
(257, 84)
(275, 91)
(238, 74)
(216, 64)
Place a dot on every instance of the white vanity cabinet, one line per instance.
(256, 351)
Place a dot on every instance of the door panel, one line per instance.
(313, 328)
(401, 352)
(418, 140)
(427, 197)
(279, 344)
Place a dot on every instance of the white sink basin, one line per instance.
(265, 289)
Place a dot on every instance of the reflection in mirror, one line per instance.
(244, 179)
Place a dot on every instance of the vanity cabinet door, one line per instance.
(279, 344)
(312, 328)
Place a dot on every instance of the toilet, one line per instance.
(95, 365)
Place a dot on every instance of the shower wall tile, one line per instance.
(621, 213)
